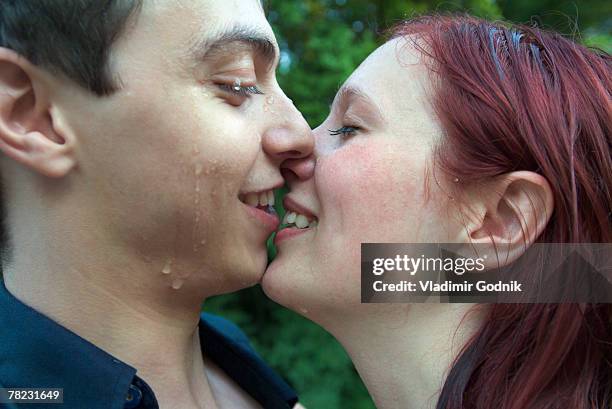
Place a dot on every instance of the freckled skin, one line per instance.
(373, 161)
(368, 187)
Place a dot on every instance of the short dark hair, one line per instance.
(73, 37)
(70, 37)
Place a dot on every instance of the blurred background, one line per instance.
(322, 42)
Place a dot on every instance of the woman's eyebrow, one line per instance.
(259, 42)
(351, 92)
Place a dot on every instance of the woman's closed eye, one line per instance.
(345, 131)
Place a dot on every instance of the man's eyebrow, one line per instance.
(260, 41)
(348, 92)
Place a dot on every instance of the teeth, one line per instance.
(301, 221)
(263, 199)
(259, 199)
(252, 199)
(266, 200)
(271, 197)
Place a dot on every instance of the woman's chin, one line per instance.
(276, 281)
(289, 284)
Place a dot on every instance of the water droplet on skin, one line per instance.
(167, 268)
(203, 242)
(303, 310)
(270, 100)
(456, 180)
(198, 169)
(178, 283)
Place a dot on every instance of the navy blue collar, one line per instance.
(37, 352)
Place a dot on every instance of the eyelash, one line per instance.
(243, 91)
(345, 131)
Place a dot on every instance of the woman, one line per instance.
(458, 130)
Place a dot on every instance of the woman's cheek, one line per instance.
(370, 190)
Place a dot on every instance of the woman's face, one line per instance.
(373, 182)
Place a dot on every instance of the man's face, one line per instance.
(169, 161)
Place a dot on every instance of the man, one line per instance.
(141, 142)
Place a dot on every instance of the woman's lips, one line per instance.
(297, 220)
(287, 233)
(291, 205)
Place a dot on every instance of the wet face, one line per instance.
(180, 162)
(373, 182)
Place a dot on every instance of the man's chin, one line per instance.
(244, 274)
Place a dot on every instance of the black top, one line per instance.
(37, 352)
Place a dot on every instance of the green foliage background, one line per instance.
(322, 41)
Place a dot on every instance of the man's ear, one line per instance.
(28, 133)
(508, 216)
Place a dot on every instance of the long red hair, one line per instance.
(520, 98)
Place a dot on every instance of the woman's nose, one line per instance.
(301, 169)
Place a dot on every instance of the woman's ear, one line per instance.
(508, 216)
(28, 130)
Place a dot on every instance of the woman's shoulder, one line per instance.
(223, 327)
(227, 346)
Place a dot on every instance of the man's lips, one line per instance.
(269, 221)
(260, 206)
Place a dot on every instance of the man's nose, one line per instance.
(290, 140)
